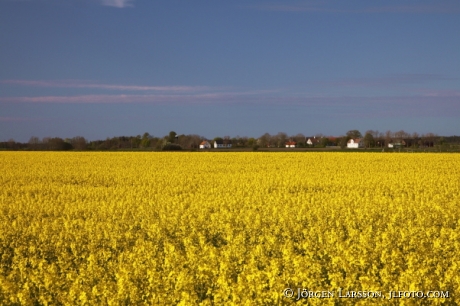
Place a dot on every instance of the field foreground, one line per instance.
(228, 228)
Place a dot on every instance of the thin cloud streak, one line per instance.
(80, 84)
(118, 3)
(107, 99)
(446, 103)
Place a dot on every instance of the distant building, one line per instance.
(355, 143)
(222, 143)
(290, 144)
(311, 141)
(205, 145)
(396, 144)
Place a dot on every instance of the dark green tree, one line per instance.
(136, 141)
(342, 141)
(354, 134)
(145, 141)
(368, 140)
(58, 144)
(324, 141)
(172, 137)
(251, 142)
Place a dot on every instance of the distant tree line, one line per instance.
(174, 141)
(171, 141)
(371, 139)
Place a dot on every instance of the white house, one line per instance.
(355, 143)
(312, 141)
(290, 144)
(397, 144)
(222, 143)
(205, 145)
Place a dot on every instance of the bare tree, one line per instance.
(34, 143)
(400, 135)
(240, 141)
(264, 140)
(78, 143)
(195, 141)
(415, 140)
(300, 139)
(380, 139)
(429, 139)
(280, 139)
(190, 141)
(12, 144)
(388, 137)
(45, 143)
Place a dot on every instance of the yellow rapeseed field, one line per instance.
(253, 228)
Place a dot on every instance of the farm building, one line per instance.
(222, 143)
(311, 141)
(355, 143)
(205, 145)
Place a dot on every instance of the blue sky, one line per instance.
(104, 68)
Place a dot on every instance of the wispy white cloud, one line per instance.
(118, 3)
(112, 3)
(85, 99)
(188, 98)
(445, 103)
(418, 101)
(133, 93)
(84, 84)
